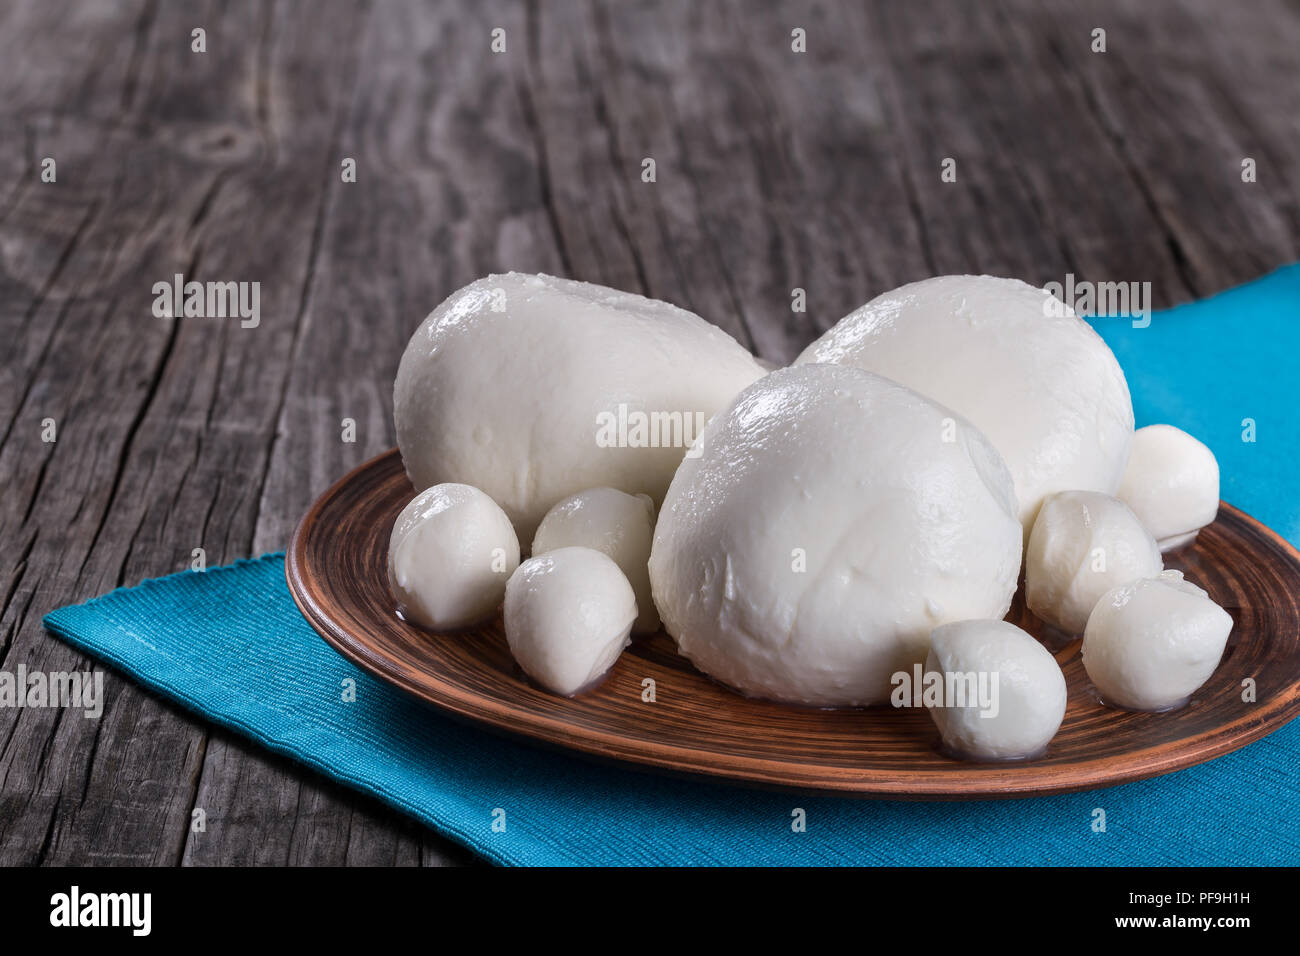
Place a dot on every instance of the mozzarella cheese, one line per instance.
(1172, 484)
(1083, 544)
(831, 521)
(449, 557)
(533, 388)
(1151, 643)
(568, 614)
(1016, 362)
(1021, 684)
(620, 525)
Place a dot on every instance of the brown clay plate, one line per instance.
(337, 571)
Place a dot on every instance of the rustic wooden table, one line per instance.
(774, 170)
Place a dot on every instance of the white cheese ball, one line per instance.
(1023, 699)
(568, 616)
(1017, 363)
(1083, 544)
(620, 525)
(449, 557)
(534, 388)
(833, 519)
(1171, 483)
(1150, 644)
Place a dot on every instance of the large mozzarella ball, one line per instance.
(568, 614)
(449, 557)
(1151, 643)
(1018, 697)
(1016, 362)
(1083, 544)
(832, 520)
(534, 388)
(620, 525)
(1171, 483)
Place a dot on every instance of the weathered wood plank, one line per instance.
(164, 424)
(445, 192)
(774, 170)
(1180, 135)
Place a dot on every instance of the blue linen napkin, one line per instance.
(230, 645)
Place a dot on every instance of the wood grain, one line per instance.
(775, 171)
(338, 573)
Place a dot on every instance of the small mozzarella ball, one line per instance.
(612, 521)
(1171, 483)
(1023, 699)
(1083, 544)
(568, 616)
(1151, 643)
(451, 552)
